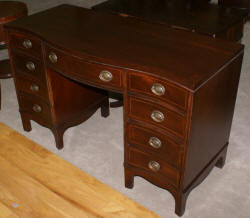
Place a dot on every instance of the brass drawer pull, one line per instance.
(106, 76)
(34, 87)
(154, 166)
(155, 142)
(30, 66)
(157, 116)
(27, 43)
(37, 108)
(53, 57)
(158, 89)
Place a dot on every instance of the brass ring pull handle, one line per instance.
(154, 166)
(30, 66)
(37, 108)
(158, 89)
(157, 116)
(155, 142)
(106, 76)
(53, 57)
(27, 43)
(34, 87)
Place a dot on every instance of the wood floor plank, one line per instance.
(5, 212)
(31, 198)
(55, 178)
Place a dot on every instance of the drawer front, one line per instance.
(25, 43)
(148, 112)
(32, 87)
(84, 71)
(159, 89)
(152, 141)
(38, 109)
(153, 165)
(29, 66)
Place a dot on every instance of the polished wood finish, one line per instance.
(88, 198)
(192, 15)
(9, 11)
(241, 4)
(170, 150)
(177, 108)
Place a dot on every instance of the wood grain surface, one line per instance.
(36, 183)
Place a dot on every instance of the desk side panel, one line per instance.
(212, 115)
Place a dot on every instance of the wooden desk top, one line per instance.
(184, 58)
(50, 180)
(194, 15)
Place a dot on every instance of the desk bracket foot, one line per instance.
(26, 123)
(58, 134)
(129, 178)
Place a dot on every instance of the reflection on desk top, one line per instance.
(182, 57)
(194, 15)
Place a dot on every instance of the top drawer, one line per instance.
(25, 43)
(157, 88)
(91, 73)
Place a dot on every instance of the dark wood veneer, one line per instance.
(198, 103)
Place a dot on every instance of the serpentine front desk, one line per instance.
(179, 88)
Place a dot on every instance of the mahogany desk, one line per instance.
(179, 88)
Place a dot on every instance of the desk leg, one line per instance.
(129, 178)
(105, 108)
(58, 134)
(26, 123)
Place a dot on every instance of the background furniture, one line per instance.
(191, 15)
(9, 11)
(242, 4)
(177, 110)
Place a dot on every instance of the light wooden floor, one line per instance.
(35, 183)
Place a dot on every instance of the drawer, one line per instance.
(152, 141)
(158, 89)
(39, 109)
(25, 43)
(153, 165)
(156, 114)
(32, 87)
(29, 66)
(80, 70)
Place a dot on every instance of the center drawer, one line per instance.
(84, 71)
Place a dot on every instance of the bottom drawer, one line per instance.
(39, 110)
(153, 165)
